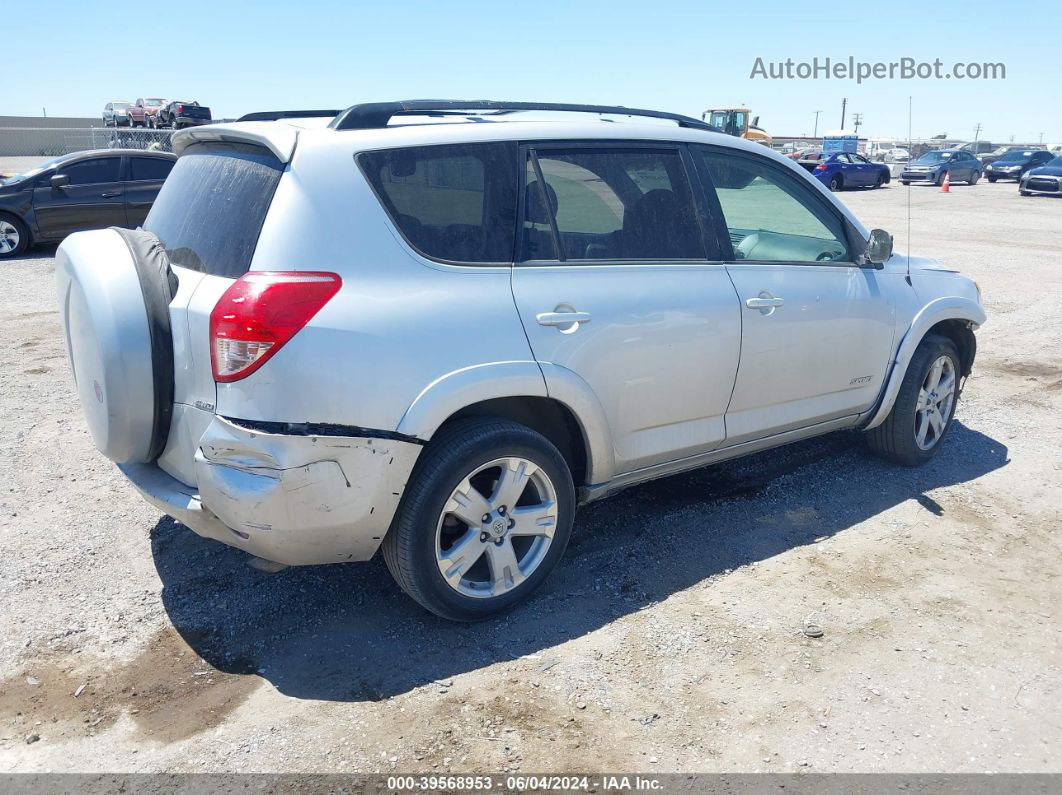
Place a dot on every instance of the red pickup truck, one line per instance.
(142, 112)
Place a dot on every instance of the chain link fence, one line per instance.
(55, 141)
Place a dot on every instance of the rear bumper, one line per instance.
(292, 499)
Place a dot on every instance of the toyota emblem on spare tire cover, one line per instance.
(99, 390)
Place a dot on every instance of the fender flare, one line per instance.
(450, 393)
(940, 309)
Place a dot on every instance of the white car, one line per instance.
(438, 327)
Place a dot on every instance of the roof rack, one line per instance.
(376, 115)
(275, 115)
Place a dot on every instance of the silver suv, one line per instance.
(438, 327)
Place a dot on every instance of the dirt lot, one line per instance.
(670, 638)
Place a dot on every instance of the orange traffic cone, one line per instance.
(945, 186)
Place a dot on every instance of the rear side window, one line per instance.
(210, 211)
(615, 204)
(455, 203)
(90, 172)
(149, 168)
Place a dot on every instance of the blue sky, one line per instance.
(666, 54)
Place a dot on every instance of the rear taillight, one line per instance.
(820, 167)
(260, 312)
(180, 108)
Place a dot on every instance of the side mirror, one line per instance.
(60, 181)
(879, 249)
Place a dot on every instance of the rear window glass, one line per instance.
(454, 202)
(210, 210)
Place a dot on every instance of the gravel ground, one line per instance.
(670, 638)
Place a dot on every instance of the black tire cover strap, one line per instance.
(158, 284)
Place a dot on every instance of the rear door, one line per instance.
(144, 178)
(618, 284)
(208, 216)
(817, 330)
(94, 198)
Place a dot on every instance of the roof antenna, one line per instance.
(910, 148)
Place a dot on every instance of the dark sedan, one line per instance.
(935, 166)
(86, 190)
(1016, 162)
(1046, 179)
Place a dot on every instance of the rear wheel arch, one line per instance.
(547, 416)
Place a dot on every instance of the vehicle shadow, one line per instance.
(346, 632)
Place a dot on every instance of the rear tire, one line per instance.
(924, 407)
(14, 236)
(497, 557)
(836, 183)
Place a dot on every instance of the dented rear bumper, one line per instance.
(294, 499)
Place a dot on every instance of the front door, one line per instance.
(817, 330)
(615, 286)
(94, 198)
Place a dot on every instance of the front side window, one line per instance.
(90, 172)
(615, 204)
(770, 215)
(452, 202)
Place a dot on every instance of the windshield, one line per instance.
(1055, 163)
(933, 158)
(1017, 154)
(152, 103)
(119, 105)
(33, 172)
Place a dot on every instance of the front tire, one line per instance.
(14, 236)
(973, 179)
(485, 518)
(992, 179)
(924, 407)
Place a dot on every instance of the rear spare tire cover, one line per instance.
(113, 304)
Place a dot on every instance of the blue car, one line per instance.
(839, 170)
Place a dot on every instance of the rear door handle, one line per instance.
(565, 321)
(765, 302)
(110, 195)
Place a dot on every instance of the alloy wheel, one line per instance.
(935, 401)
(496, 527)
(9, 237)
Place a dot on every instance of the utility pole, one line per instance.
(857, 118)
(977, 132)
(1041, 138)
(816, 133)
(844, 106)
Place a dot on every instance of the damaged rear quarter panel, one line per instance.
(303, 499)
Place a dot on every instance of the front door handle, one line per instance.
(110, 195)
(765, 302)
(564, 319)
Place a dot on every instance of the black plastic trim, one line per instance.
(275, 115)
(158, 285)
(321, 429)
(377, 115)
